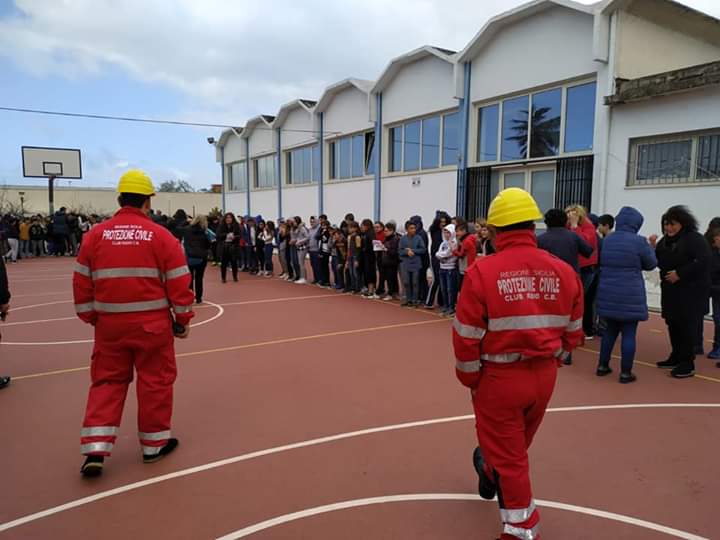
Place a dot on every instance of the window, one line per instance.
(431, 142)
(488, 133)
(690, 158)
(451, 133)
(545, 123)
(539, 182)
(237, 179)
(264, 172)
(514, 129)
(411, 152)
(396, 154)
(303, 164)
(352, 156)
(532, 125)
(580, 118)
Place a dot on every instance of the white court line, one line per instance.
(40, 305)
(36, 280)
(19, 323)
(303, 444)
(220, 312)
(287, 518)
(38, 294)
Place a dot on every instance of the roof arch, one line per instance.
(333, 90)
(262, 120)
(397, 64)
(304, 104)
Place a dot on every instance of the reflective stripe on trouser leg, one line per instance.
(156, 372)
(517, 515)
(96, 448)
(524, 534)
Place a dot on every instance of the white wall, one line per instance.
(682, 112)
(301, 121)
(420, 88)
(234, 149)
(264, 203)
(400, 199)
(262, 140)
(646, 48)
(348, 112)
(344, 197)
(236, 203)
(551, 46)
(300, 201)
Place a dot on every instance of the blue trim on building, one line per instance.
(247, 169)
(321, 180)
(378, 153)
(278, 174)
(464, 127)
(222, 177)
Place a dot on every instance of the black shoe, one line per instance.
(93, 466)
(171, 445)
(224, 280)
(699, 351)
(486, 487)
(627, 378)
(568, 361)
(4, 381)
(603, 370)
(682, 372)
(667, 364)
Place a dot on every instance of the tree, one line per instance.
(176, 186)
(544, 136)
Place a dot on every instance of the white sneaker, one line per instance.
(373, 297)
(282, 276)
(301, 282)
(387, 298)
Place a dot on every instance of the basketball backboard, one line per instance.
(39, 162)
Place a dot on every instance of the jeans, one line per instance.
(390, 275)
(282, 257)
(323, 268)
(613, 328)
(338, 272)
(197, 272)
(14, 244)
(269, 258)
(37, 248)
(449, 288)
(315, 265)
(354, 269)
(251, 259)
(589, 276)
(242, 258)
(300, 261)
(411, 282)
(436, 287)
(25, 248)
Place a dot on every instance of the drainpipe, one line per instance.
(222, 178)
(247, 174)
(464, 128)
(278, 174)
(378, 154)
(321, 183)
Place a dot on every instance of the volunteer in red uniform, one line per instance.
(520, 312)
(132, 283)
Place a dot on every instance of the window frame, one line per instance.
(528, 172)
(333, 146)
(694, 136)
(529, 93)
(288, 181)
(242, 163)
(256, 169)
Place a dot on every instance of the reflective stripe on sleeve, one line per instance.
(523, 534)
(131, 307)
(177, 272)
(151, 450)
(157, 436)
(108, 273)
(468, 331)
(528, 322)
(517, 515)
(182, 309)
(473, 366)
(99, 431)
(82, 270)
(505, 358)
(96, 447)
(574, 326)
(84, 308)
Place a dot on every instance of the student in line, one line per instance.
(369, 264)
(228, 237)
(390, 262)
(412, 249)
(448, 270)
(269, 239)
(466, 250)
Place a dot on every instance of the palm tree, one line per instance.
(545, 133)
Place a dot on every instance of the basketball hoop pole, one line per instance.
(51, 193)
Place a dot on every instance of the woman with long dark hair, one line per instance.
(197, 239)
(368, 264)
(683, 257)
(228, 241)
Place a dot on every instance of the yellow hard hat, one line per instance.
(511, 206)
(136, 181)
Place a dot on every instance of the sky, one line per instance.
(214, 61)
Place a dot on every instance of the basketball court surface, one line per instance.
(305, 414)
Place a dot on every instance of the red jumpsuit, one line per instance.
(519, 312)
(129, 275)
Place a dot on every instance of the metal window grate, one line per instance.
(478, 193)
(574, 181)
(708, 162)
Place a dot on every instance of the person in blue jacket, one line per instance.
(621, 298)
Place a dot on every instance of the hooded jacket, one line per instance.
(621, 291)
(422, 233)
(444, 253)
(436, 233)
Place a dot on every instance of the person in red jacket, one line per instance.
(466, 251)
(519, 314)
(131, 278)
(580, 224)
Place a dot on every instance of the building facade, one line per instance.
(604, 105)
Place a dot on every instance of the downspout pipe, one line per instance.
(321, 180)
(222, 178)
(378, 156)
(247, 174)
(464, 127)
(278, 173)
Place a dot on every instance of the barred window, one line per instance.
(687, 158)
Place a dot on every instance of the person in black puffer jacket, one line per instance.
(683, 257)
(228, 245)
(4, 307)
(197, 241)
(442, 219)
(179, 224)
(713, 238)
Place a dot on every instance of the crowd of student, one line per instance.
(373, 259)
